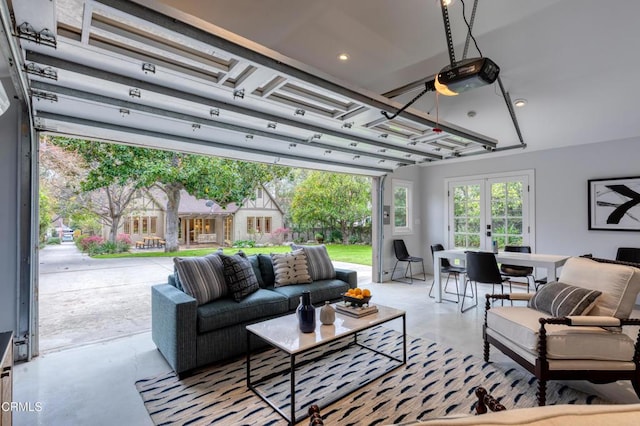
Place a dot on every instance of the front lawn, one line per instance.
(341, 253)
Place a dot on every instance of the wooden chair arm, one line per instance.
(485, 400)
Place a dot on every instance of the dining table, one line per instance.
(550, 262)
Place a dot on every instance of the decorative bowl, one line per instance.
(355, 301)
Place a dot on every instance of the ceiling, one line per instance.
(272, 89)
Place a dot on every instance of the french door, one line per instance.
(497, 208)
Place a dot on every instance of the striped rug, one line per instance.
(437, 381)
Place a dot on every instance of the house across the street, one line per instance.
(203, 221)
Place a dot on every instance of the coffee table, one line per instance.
(283, 334)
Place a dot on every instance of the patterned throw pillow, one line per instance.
(290, 268)
(563, 300)
(239, 276)
(201, 277)
(320, 265)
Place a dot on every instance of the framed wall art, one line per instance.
(614, 204)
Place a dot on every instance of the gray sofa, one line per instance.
(191, 336)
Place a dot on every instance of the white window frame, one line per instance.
(408, 185)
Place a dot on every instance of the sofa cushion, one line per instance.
(520, 326)
(201, 277)
(255, 264)
(226, 312)
(619, 284)
(266, 270)
(239, 276)
(319, 263)
(290, 268)
(561, 300)
(321, 291)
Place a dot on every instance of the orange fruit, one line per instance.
(366, 292)
(358, 291)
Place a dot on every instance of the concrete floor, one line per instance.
(94, 384)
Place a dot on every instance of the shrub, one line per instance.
(244, 243)
(335, 236)
(353, 239)
(87, 244)
(53, 240)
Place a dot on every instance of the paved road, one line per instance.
(85, 300)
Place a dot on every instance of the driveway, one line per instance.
(84, 300)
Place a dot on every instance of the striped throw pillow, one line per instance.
(290, 268)
(320, 265)
(201, 277)
(562, 300)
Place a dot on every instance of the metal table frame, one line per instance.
(291, 419)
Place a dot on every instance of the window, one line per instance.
(497, 208)
(259, 195)
(402, 205)
(250, 226)
(127, 226)
(136, 225)
(145, 229)
(267, 225)
(154, 224)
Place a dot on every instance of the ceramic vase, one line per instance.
(306, 314)
(327, 314)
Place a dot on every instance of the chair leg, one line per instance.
(486, 349)
(542, 392)
(410, 273)
(394, 269)
(464, 291)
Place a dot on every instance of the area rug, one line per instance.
(436, 381)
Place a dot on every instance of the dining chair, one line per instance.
(447, 268)
(402, 255)
(481, 267)
(628, 254)
(516, 271)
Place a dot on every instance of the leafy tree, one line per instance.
(46, 213)
(120, 170)
(332, 199)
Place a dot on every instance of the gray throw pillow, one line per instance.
(239, 275)
(201, 277)
(563, 300)
(319, 263)
(290, 268)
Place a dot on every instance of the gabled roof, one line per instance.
(190, 205)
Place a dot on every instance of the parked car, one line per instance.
(67, 236)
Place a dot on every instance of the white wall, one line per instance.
(413, 242)
(8, 212)
(561, 177)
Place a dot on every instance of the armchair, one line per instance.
(588, 345)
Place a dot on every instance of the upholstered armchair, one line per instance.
(572, 329)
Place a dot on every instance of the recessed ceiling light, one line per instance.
(520, 102)
(343, 57)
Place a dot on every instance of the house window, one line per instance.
(145, 229)
(127, 226)
(250, 226)
(258, 224)
(154, 224)
(136, 225)
(402, 205)
(259, 195)
(267, 225)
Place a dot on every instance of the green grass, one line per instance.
(350, 253)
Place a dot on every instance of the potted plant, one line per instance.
(319, 238)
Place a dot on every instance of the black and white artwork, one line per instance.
(614, 204)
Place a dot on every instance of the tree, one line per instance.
(130, 168)
(332, 199)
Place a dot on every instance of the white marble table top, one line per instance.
(283, 332)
